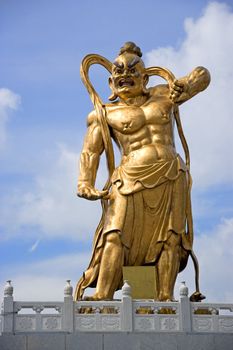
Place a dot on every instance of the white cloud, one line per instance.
(44, 280)
(52, 205)
(8, 101)
(207, 119)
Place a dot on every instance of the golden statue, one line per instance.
(147, 218)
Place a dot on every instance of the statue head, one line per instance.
(129, 76)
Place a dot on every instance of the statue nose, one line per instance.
(126, 73)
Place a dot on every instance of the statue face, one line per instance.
(128, 76)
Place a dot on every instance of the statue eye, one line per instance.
(132, 70)
(119, 71)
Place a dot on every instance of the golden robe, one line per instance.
(147, 203)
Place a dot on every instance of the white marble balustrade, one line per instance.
(125, 315)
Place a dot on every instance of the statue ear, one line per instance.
(145, 82)
(146, 79)
(113, 96)
(110, 83)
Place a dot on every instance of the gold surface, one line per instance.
(202, 312)
(142, 280)
(146, 203)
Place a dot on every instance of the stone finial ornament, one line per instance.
(8, 290)
(68, 290)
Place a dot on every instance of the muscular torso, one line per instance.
(144, 133)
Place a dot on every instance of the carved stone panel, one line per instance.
(110, 323)
(226, 324)
(51, 323)
(169, 324)
(85, 323)
(202, 324)
(25, 324)
(144, 324)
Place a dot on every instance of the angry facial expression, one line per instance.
(128, 76)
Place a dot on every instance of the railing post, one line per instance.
(68, 309)
(185, 311)
(8, 309)
(127, 309)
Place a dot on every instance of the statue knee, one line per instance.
(173, 241)
(114, 238)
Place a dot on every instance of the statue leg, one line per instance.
(168, 267)
(110, 267)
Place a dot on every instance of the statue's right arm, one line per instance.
(89, 160)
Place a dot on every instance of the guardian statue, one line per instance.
(147, 217)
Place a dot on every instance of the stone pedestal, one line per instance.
(117, 341)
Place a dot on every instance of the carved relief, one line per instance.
(226, 324)
(202, 324)
(169, 324)
(51, 323)
(144, 324)
(110, 323)
(58, 309)
(86, 323)
(25, 323)
(38, 308)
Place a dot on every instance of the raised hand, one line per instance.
(176, 89)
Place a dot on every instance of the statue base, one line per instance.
(117, 341)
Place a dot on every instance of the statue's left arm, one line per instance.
(185, 88)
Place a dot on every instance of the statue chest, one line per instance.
(129, 119)
(126, 119)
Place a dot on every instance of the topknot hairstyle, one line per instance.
(131, 47)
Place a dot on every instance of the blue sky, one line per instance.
(45, 230)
